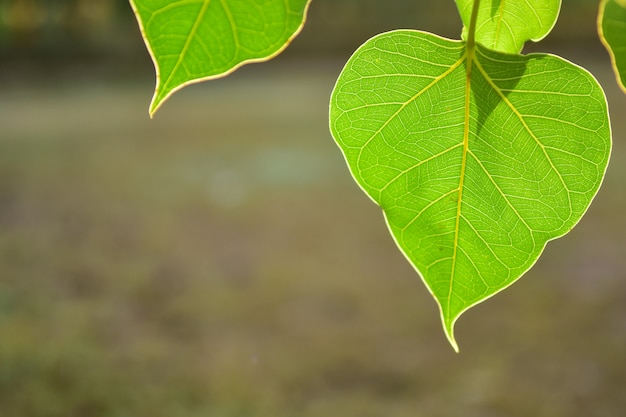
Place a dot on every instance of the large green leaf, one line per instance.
(505, 25)
(196, 40)
(612, 29)
(477, 158)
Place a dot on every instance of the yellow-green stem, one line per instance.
(472, 26)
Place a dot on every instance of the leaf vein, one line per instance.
(522, 120)
(412, 99)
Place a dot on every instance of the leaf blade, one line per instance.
(191, 41)
(505, 25)
(474, 172)
(612, 32)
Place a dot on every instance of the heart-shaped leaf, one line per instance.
(196, 40)
(612, 29)
(505, 25)
(477, 158)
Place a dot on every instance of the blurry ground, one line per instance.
(218, 261)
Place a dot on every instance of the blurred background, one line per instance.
(219, 261)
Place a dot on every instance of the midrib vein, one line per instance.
(192, 33)
(468, 76)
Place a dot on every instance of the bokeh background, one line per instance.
(218, 261)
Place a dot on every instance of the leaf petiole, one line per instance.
(472, 26)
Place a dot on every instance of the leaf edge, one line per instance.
(608, 47)
(155, 104)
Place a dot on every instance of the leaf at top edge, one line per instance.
(477, 158)
(612, 31)
(506, 25)
(197, 40)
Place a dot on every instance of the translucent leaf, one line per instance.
(196, 40)
(505, 25)
(477, 158)
(612, 29)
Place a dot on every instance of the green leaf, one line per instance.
(197, 40)
(477, 158)
(612, 30)
(505, 25)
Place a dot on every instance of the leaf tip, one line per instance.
(155, 105)
(152, 111)
(449, 331)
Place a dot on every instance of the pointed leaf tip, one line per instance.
(449, 332)
(198, 40)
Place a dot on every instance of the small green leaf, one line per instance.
(477, 158)
(612, 30)
(505, 25)
(197, 40)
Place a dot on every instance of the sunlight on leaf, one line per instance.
(197, 40)
(612, 30)
(477, 158)
(505, 25)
